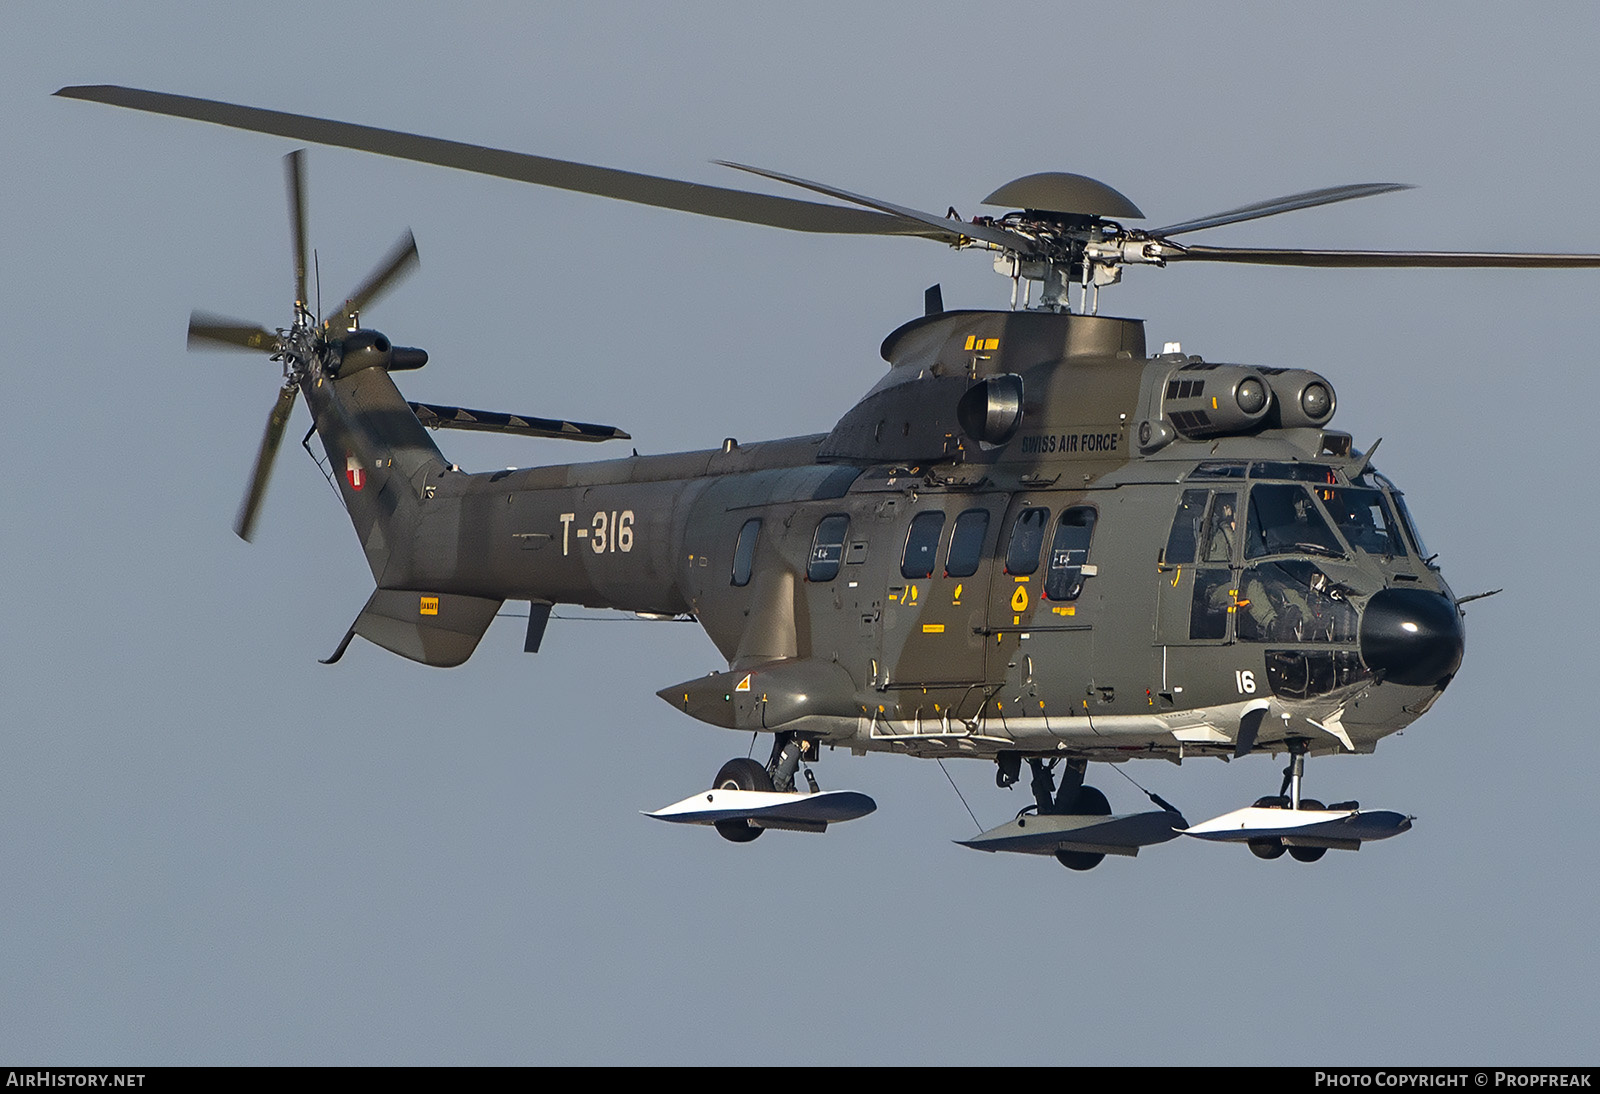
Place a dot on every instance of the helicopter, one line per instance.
(1031, 542)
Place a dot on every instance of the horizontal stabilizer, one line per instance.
(770, 809)
(439, 629)
(1047, 833)
(435, 416)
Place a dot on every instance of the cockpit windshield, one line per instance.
(1284, 520)
(1363, 516)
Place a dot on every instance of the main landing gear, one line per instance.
(743, 773)
(1072, 822)
(747, 797)
(1072, 799)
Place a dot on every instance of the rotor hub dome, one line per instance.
(1063, 192)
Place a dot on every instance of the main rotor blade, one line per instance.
(947, 230)
(244, 525)
(401, 260)
(1274, 206)
(294, 168)
(1262, 256)
(207, 331)
(688, 197)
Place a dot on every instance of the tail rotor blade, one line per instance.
(244, 525)
(207, 331)
(400, 260)
(294, 169)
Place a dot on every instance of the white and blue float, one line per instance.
(794, 811)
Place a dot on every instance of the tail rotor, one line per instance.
(308, 348)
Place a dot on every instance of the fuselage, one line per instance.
(1120, 569)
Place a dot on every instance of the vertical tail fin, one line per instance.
(383, 458)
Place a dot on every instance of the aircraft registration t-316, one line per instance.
(1031, 540)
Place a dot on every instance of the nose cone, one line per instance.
(1413, 637)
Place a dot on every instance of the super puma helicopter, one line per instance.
(1030, 540)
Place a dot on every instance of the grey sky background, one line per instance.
(215, 850)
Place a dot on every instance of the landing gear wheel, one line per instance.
(1308, 854)
(1090, 803)
(1079, 860)
(741, 774)
(1266, 848)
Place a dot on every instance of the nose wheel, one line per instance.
(1288, 797)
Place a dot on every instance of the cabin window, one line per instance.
(1068, 553)
(966, 543)
(827, 547)
(1027, 536)
(744, 552)
(922, 545)
(1285, 520)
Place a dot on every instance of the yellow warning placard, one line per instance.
(429, 606)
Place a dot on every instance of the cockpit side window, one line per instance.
(1185, 529)
(1069, 551)
(1222, 528)
(744, 552)
(827, 547)
(922, 544)
(1027, 536)
(1284, 520)
(1411, 525)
